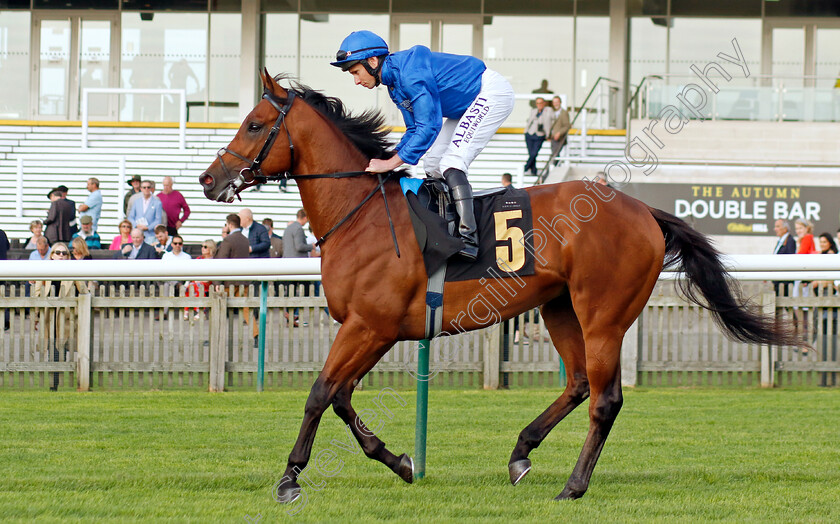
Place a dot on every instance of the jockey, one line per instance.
(428, 88)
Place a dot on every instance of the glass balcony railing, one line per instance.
(776, 99)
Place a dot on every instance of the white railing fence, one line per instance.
(119, 340)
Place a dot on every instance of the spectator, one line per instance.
(124, 237)
(173, 205)
(804, 231)
(5, 246)
(93, 203)
(176, 249)
(295, 246)
(36, 227)
(560, 128)
(294, 239)
(90, 237)
(61, 215)
(138, 249)
(4, 249)
(134, 182)
(80, 249)
(786, 245)
(507, 180)
(56, 320)
(536, 128)
(236, 245)
(805, 234)
(145, 213)
(74, 225)
(200, 288)
(164, 241)
(276, 250)
(256, 234)
(42, 249)
(225, 230)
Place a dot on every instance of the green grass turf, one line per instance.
(675, 455)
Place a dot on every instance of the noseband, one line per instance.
(254, 171)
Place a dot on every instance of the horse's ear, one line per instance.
(270, 85)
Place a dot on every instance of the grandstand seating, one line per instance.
(52, 155)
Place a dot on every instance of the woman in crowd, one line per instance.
(80, 249)
(124, 237)
(199, 288)
(805, 236)
(57, 321)
(37, 229)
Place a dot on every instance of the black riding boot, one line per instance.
(462, 196)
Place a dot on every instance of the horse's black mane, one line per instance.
(367, 131)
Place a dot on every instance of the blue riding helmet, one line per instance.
(357, 47)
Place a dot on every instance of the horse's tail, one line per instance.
(706, 276)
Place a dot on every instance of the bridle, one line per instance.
(254, 171)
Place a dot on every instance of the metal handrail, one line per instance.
(544, 171)
(589, 95)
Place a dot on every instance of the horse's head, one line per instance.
(250, 158)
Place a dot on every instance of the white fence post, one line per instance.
(83, 341)
(630, 354)
(768, 306)
(218, 341)
(492, 355)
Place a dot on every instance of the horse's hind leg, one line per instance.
(604, 373)
(564, 328)
(372, 445)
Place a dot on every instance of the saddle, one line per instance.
(435, 223)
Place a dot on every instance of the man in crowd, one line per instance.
(87, 233)
(145, 213)
(276, 250)
(59, 218)
(256, 234)
(42, 249)
(786, 245)
(507, 180)
(174, 204)
(4, 249)
(134, 182)
(295, 246)
(164, 241)
(93, 203)
(236, 245)
(294, 239)
(138, 249)
(177, 252)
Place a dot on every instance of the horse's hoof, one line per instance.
(406, 468)
(569, 494)
(286, 491)
(518, 470)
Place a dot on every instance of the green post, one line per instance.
(422, 410)
(261, 356)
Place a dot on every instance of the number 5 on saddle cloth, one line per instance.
(505, 238)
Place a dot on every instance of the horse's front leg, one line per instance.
(372, 445)
(355, 350)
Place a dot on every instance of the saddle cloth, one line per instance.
(504, 220)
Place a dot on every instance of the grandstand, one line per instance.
(52, 154)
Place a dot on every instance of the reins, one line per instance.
(256, 173)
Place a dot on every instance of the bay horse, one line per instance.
(600, 253)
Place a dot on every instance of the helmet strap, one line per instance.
(374, 71)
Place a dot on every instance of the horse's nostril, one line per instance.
(206, 180)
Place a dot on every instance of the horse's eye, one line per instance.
(254, 127)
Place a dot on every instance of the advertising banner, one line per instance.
(720, 209)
